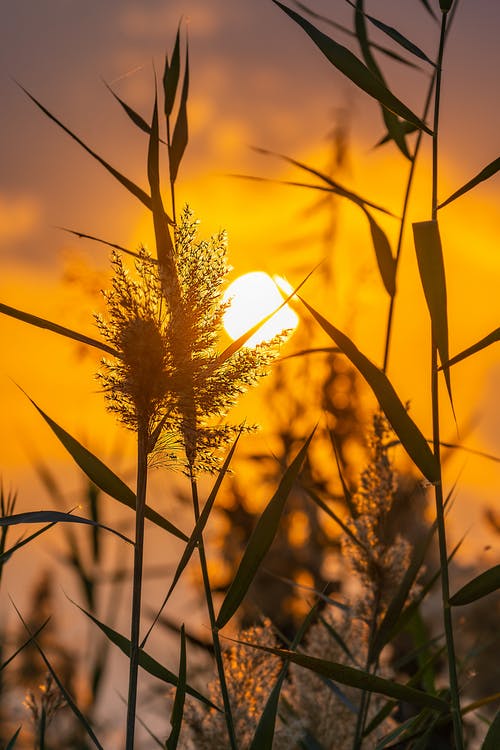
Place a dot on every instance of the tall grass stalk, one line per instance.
(438, 486)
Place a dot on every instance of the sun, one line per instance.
(253, 296)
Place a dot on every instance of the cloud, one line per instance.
(19, 216)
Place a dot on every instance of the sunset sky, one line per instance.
(256, 80)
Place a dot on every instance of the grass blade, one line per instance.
(483, 175)
(195, 536)
(492, 739)
(491, 338)
(171, 75)
(348, 64)
(432, 275)
(383, 253)
(69, 700)
(4, 557)
(12, 742)
(102, 476)
(261, 539)
(397, 37)
(405, 428)
(122, 249)
(482, 585)
(55, 516)
(26, 643)
(357, 678)
(395, 128)
(384, 50)
(34, 320)
(180, 136)
(164, 244)
(136, 118)
(146, 661)
(336, 186)
(179, 700)
(128, 184)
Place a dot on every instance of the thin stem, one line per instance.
(443, 555)
(142, 477)
(213, 625)
(402, 226)
(365, 695)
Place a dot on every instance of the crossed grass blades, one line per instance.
(168, 316)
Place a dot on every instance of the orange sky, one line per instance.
(256, 80)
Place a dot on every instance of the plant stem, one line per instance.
(142, 477)
(211, 614)
(443, 555)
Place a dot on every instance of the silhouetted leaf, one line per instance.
(128, 184)
(5, 556)
(491, 338)
(432, 275)
(180, 695)
(146, 661)
(261, 539)
(383, 253)
(482, 585)
(405, 428)
(55, 516)
(26, 643)
(428, 8)
(108, 244)
(34, 320)
(164, 244)
(484, 174)
(356, 678)
(102, 476)
(399, 38)
(171, 75)
(395, 128)
(12, 742)
(180, 136)
(492, 739)
(136, 118)
(348, 64)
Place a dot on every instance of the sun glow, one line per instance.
(253, 296)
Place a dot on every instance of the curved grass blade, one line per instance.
(491, 338)
(146, 661)
(82, 235)
(380, 48)
(407, 127)
(34, 320)
(12, 742)
(356, 678)
(180, 136)
(5, 556)
(102, 476)
(26, 643)
(336, 186)
(180, 696)
(261, 539)
(383, 253)
(164, 244)
(264, 732)
(483, 175)
(171, 75)
(348, 64)
(241, 340)
(69, 700)
(432, 275)
(128, 184)
(395, 128)
(492, 739)
(428, 8)
(56, 516)
(405, 428)
(480, 586)
(196, 535)
(136, 118)
(397, 37)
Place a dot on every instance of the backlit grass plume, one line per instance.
(168, 374)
